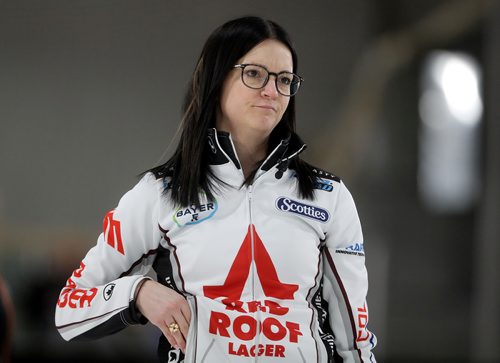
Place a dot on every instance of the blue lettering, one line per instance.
(313, 212)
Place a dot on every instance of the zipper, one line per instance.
(252, 241)
(253, 271)
(192, 336)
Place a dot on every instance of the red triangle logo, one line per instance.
(240, 269)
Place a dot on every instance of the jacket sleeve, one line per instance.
(98, 298)
(345, 283)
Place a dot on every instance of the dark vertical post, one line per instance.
(485, 332)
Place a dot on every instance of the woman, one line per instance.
(258, 255)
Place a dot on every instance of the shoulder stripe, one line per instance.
(325, 174)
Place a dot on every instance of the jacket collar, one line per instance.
(221, 151)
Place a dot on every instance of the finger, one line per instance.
(179, 335)
(186, 311)
(183, 324)
(166, 332)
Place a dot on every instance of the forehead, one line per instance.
(270, 53)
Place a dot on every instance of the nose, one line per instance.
(270, 89)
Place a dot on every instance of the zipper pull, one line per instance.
(282, 166)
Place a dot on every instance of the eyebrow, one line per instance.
(263, 66)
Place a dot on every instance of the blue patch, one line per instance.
(306, 210)
(357, 247)
(195, 214)
(323, 184)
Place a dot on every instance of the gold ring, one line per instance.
(173, 327)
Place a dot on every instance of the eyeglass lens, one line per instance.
(255, 76)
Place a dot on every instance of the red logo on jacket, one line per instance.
(112, 232)
(76, 298)
(245, 326)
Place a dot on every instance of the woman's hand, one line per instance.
(163, 306)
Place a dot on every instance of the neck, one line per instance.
(250, 151)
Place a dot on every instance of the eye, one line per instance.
(253, 72)
(285, 79)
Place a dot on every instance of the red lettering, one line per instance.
(362, 320)
(242, 351)
(63, 298)
(269, 306)
(73, 297)
(219, 322)
(294, 330)
(268, 350)
(112, 232)
(231, 348)
(254, 306)
(280, 351)
(70, 283)
(78, 271)
(234, 305)
(259, 352)
(360, 337)
(238, 324)
(244, 327)
(275, 308)
(268, 325)
(76, 298)
(362, 323)
(88, 297)
(362, 317)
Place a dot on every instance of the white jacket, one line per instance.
(269, 276)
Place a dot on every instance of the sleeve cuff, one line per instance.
(134, 315)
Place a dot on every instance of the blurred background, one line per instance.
(400, 100)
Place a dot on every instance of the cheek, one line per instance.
(284, 106)
(228, 102)
(233, 104)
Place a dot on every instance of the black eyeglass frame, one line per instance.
(243, 65)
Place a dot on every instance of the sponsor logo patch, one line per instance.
(356, 249)
(306, 210)
(112, 232)
(108, 291)
(323, 184)
(195, 214)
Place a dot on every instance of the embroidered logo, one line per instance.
(195, 214)
(108, 291)
(306, 210)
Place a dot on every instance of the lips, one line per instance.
(266, 107)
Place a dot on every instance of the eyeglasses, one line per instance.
(256, 77)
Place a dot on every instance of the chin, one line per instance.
(265, 127)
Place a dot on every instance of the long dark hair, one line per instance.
(188, 167)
